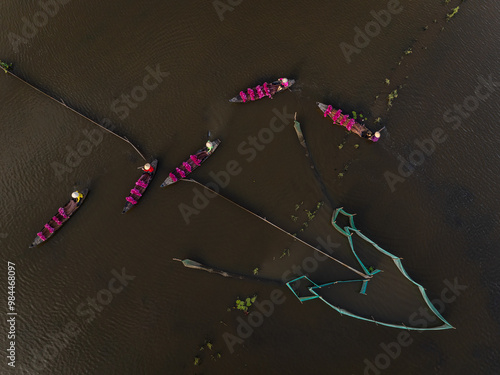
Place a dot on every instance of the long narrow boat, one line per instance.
(266, 90)
(193, 162)
(351, 125)
(63, 214)
(140, 187)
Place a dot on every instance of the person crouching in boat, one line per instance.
(76, 195)
(148, 168)
(209, 146)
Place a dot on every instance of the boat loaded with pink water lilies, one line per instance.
(350, 124)
(63, 215)
(140, 187)
(262, 91)
(194, 161)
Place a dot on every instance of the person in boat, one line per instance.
(209, 145)
(148, 168)
(366, 134)
(76, 195)
(203, 154)
(375, 137)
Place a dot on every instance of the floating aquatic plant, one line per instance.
(393, 95)
(356, 146)
(285, 253)
(294, 218)
(256, 271)
(243, 305)
(387, 81)
(450, 15)
(197, 361)
(209, 344)
(341, 146)
(6, 67)
(408, 51)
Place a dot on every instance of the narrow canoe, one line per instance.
(63, 215)
(266, 90)
(343, 120)
(140, 187)
(193, 162)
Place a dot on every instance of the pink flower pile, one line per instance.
(266, 90)
(136, 192)
(186, 166)
(131, 200)
(251, 94)
(62, 213)
(195, 160)
(141, 184)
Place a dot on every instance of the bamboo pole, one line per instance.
(280, 229)
(74, 110)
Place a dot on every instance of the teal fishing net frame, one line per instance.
(349, 231)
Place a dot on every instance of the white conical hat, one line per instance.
(147, 166)
(377, 134)
(75, 194)
(208, 144)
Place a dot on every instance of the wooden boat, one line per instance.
(63, 215)
(193, 162)
(351, 125)
(266, 90)
(140, 187)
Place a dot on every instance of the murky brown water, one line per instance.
(443, 219)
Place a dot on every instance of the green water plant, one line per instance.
(209, 344)
(408, 51)
(356, 146)
(245, 304)
(390, 98)
(387, 81)
(6, 67)
(256, 271)
(450, 15)
(294, 218)
(286, 252)
(197, 361)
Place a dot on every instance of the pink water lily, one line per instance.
(186, 166)
(266, 90)
(131, 200)
(136, 192)
(62, 213)
(243, 96)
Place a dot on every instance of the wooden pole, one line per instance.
(75, 111)
(280, 229)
